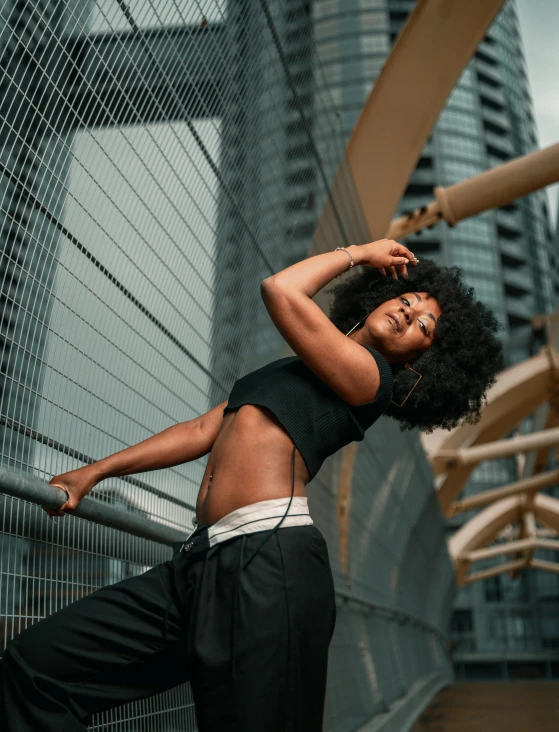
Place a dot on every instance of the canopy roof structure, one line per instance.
(517, 519)
(384, 140)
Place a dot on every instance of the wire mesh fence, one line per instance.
(158, 159)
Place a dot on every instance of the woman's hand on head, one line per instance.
(386, 255)
(76, 484)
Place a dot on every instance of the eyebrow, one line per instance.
(430, 315)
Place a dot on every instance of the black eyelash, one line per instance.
(421, 323)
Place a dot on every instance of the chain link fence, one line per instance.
(158, 159)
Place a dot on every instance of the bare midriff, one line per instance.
(250, 461)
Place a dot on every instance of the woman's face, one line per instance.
(402, 328)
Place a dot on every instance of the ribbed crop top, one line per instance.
(318, 421)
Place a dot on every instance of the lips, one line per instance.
(395, 320)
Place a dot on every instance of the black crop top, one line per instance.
(318, 421)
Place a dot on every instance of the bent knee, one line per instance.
(12, 657)
(22, 652)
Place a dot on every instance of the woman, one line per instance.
(245, 610)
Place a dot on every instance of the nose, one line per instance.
(406, 312)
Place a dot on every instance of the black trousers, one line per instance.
(253, 644)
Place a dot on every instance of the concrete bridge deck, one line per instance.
(493, 707)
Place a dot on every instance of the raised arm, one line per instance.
(343, 364)
(178, 444)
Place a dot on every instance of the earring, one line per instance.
(355, 326)
(407, 366)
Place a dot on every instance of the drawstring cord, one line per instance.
(244, 565)
(235, 608)
(178, 547)
(276, 527)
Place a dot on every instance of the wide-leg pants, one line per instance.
(253, 644)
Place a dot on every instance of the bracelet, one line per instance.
(349, 254)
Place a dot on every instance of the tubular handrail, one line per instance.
(32, 489)
(403, 616)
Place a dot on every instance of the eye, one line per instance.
(405, 301)
(424, 328)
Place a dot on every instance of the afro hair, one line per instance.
(457, 369)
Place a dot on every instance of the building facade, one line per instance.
(158, 162)
(156, 165)
(502, 626)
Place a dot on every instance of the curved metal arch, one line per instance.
(413, 85)
(527, 388)
(518, 392)
(484, 527)
(466, 546)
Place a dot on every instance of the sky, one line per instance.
(539, 25)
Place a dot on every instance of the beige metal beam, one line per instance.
(493, 571)
(518, 393)
(526, 485)
(500, 185)
(434, 46)
(453, 482)
(510, 547)
(523, 402)
(545, 565)
(546, 509)
(519, 388)
(540, 458)
(469, 543)
(449, 459)
(528, 531)
(484, 527)
(491, 189)
(436, 43)
(534, 384)
(497, 550)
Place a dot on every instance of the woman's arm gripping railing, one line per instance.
(29, 488)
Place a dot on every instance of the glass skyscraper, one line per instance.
(158, 162)
(507, 255)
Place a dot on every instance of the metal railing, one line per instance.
(158, 159)
(28, 488)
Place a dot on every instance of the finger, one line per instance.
(66, 506)
(401, 251)
(392, 272)
(382, 271)
(403, 270)
(400, 264)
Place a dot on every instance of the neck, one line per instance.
(358, 337)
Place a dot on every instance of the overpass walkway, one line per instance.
(493, 707)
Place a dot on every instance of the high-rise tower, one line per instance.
(488, 119)
(507, 255)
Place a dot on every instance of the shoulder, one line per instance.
(384, 393)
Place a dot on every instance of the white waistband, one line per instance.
(260, 516)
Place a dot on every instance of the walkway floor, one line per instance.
(530, 706)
